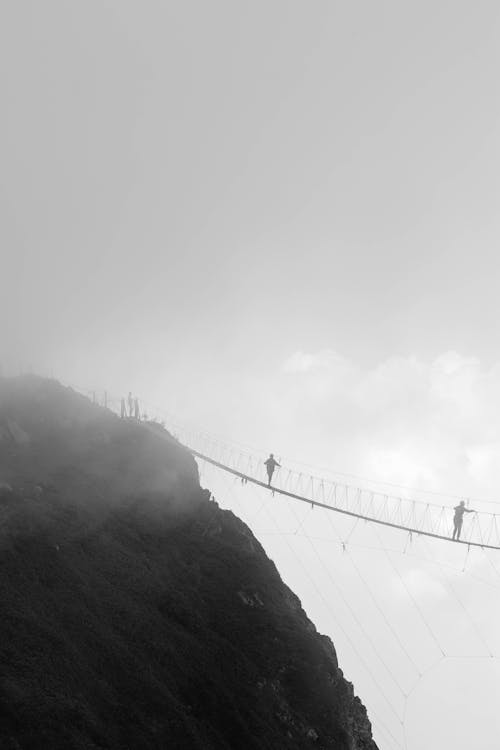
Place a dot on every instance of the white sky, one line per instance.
(279, 220)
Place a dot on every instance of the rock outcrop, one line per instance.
(135, 612)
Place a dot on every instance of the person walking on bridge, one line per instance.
(458, 519)
(270, 465)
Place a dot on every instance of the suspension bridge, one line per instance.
(407, 515)
(413, 516)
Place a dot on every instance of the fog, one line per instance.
(278, 221)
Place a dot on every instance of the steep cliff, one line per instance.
(135, 612)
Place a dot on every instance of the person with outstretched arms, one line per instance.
(270, 465)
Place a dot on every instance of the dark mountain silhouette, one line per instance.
(137, 614)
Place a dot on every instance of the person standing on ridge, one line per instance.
(270, 465)
(458, 519)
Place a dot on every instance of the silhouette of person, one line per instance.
(137, 413)
(123, 413)
(130, 403)
(270, 465)
(458, 519)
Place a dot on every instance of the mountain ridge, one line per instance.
(136, 612)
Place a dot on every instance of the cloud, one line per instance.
(323, 360)
(434, 423)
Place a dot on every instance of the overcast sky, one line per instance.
(277, 219)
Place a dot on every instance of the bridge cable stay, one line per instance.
(332, 614)
(369, 591)
(343, 629)
(447, 584)
(490, 562)
(348, 606)
(442, 654)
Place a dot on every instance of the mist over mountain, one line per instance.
(135, 612)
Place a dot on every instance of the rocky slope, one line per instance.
(135, 612)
